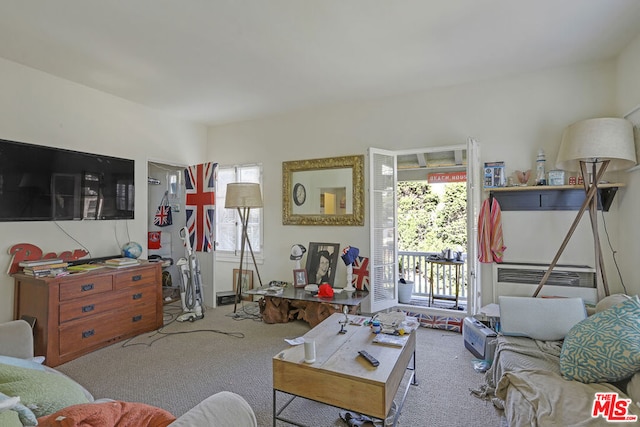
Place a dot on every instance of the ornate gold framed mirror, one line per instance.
(327, 191)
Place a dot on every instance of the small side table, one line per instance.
(458, 268)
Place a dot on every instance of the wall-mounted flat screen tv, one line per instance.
(39, 183)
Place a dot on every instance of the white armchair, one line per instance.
(16, 339)
(221, 409)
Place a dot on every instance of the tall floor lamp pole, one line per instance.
(590, 200)
(243, 196)
(604, 142)
(244, 218)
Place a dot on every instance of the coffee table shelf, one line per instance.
(341, 378)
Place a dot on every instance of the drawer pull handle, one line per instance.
(87, 308)
(87, 287)
(137, 318)
(87, 334)
(137, 296)
(136, 278)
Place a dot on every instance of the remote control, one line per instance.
(369, 358)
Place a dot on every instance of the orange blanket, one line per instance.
(117, 413)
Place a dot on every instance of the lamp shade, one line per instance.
(595, 140)
(243, 195)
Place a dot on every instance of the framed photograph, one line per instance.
(246, 282)
(322, 262)
(300, 278)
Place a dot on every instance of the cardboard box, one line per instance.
(556, 177)
(494, 175)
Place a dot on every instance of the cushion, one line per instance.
(547, 319)
(221, 409)
(23, 363)
(610, 301)
(25, 415)
(604, 347)
(9, 419)
(41, 391)
(108, 414)
(88, 395)
(633, 388)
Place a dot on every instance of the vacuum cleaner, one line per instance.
(190, 288)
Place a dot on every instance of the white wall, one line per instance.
(511, 118)
(41, 109)
(628, 88)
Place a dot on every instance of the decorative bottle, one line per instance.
(541, 178)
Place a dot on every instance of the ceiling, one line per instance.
(220, 61)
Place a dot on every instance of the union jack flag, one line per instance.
(360, 276)
(441, 322)
(449, 323)
(200, 183)
(162, 216)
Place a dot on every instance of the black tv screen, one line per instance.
(39, 183)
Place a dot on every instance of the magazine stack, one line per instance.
(121, 262)
(44, 267)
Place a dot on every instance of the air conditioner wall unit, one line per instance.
(522, 279)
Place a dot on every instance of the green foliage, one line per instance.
(452, 219)
(417, 205)
(429, 222)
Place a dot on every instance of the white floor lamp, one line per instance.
(243, 196)
(605, 144)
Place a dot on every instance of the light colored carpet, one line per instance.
(182, 364)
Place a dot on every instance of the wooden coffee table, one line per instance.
(339, 376)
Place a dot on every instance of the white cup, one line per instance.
(309, 351)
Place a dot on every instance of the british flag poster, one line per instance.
(360, 278)
(200, 181)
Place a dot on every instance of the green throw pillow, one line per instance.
(42, 392)
(23, 363)
(10, 419)
(604, 347)
(26, 416)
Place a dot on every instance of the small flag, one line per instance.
(163, 216)
(361, 273)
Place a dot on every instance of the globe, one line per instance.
(131, 250)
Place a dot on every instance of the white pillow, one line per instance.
(610, 301)
(547, 319)
(633, 388)
(221, 409)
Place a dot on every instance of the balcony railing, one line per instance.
(415, 267)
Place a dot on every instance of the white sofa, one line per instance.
(16, 368)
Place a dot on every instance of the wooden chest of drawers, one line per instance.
(78, 314)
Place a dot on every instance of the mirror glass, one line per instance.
(324, 191)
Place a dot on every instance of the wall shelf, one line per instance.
(550, 197)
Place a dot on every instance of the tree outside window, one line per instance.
(431, 217)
